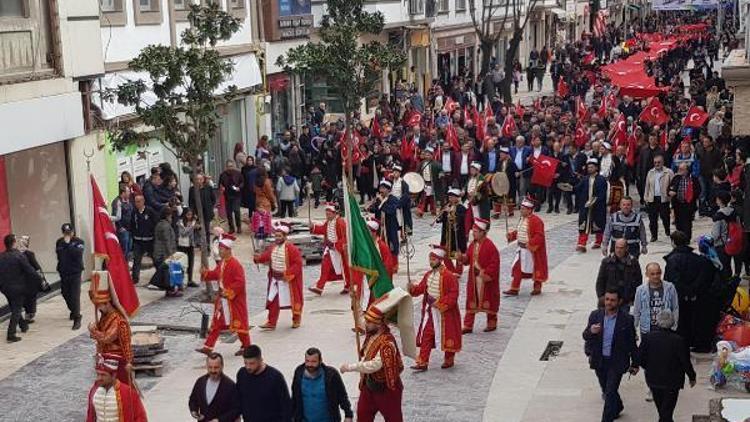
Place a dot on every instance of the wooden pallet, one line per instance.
(147, 345)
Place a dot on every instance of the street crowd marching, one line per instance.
(621, 124)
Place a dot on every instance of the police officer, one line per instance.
(625, 224)
(70, 267)
(15, 272)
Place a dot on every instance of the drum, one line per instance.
(500, 184)
(415, 182)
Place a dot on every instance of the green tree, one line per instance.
(489, 18)
(353, 67)
(185, 82)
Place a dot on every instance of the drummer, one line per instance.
(429, 170)
(507, 184)
(400, 191)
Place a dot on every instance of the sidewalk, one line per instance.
(564, 388)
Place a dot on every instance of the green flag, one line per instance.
(363, 253)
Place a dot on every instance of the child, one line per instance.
(316, 180)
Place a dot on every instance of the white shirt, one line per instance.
(446, 161)
(537, 152)
(105, 405)
(519, 158)
(331, 231)
(523, 230)
(211, 388)
(433, 284)
(396, 190)
(657, 182)
(464, 163)
(278, 258)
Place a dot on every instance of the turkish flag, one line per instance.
(375, 128)
(520, 111)
(450, 106)
(488, 112)
(562, 88)
(589, 58)
(581, 136)
(654, 113)
(620, 134)
(452, 136)
(581, 110)
(632, 146)
(544, 171)
(663, 139)
(415, 119)
(696, 117)
(478, 124)
(509, 126)
(538, 104)
(602, 112)
(107, 246)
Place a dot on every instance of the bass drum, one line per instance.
(415, 182)
(500, 184)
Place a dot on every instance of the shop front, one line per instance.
(455, 56)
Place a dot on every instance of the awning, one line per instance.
(246, 75)
(560, 13)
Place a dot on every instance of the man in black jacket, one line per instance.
(665, 358)
(142, 225)
(262, 390)
(610, 346)
(214, 395)
(684, 269)
(69, 250)
(621, 272)
(208, 201)
(311, 378)
(15, 271)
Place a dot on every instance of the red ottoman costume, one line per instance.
(116, 403)
(111, 331)
(285, 282)
(531, 257)
(334, 266)
(483, 285)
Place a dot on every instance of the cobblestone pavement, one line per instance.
(61, 378)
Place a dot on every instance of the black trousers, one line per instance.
(233, 213)
(686, 324)
(286, 209)
(683, 219)
(609, 381)
(70, 287)
(140, 248)
(658, 210)
(665, 401)
(29, 301)
(190, 252)
(15, 303)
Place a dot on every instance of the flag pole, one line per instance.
(347, 181)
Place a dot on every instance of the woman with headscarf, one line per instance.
(711, 295)
(249, 173)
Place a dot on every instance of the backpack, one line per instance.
(735, 238)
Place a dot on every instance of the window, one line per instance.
(236, 8)
(460, 5)
(443, 6)
(112, 13)
(27, 40)
(12, 8)
(179, 5)
(181, 9)
(416, 7)
(147, 12)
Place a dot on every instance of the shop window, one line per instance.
(416, 7)
(147, 12)
(318, 91)
(460, 5)
(443, 6)
(112, 13)
(181, 9)
(13, 9)
(26, 40)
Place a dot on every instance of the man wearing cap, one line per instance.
(385, 208)
(477, 194)
(453, 233)
(531, 256)
(441, 318)
(483, 284)
(230, 307)
(285, 284)
(380, 363)
(334, 266)
(390, 262)
(69, 250)
(507, 166)
(111, 330)
(429, 169)
(110, 400)
(400, 190)
(591, 195)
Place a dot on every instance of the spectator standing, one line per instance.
(665, 359)
(249, 173)
(611, 349)
(208, 202)
(33, 283)
(154, 191)
(710, 159)
(122, 215)
(318, 391)
(143, 223)
(684, 269)
(621, 272)
(188, 237)
(723, 217)
(127, 179)
(656, 194)
(262, 390)
(231, 181)
(288, 190)
(653, 296)
(15, 271)
(214, 396)
(684, 191)
(714, 293)
(165, 246)
(69, 250)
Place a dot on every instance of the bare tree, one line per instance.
(486, 15)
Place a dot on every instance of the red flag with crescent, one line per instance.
(654, 113)
(632, 146)
(620, 134)
(415, 119)
(581, 110)
(509, 126)
(581, 137)
(452, 136)
(520, 111)
(544, 170)
(562, 88)
(695, 117)
(602, 112)
(375, 128)
(478, 124)
(107, 246)
(450, 106)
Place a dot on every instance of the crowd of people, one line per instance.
(478, 160)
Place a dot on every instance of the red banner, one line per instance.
(544, 171)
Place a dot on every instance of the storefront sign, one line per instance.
(446, 44)
(287, 19)
(140, 165)
(295, 26)
(155, 157)
(124, 164)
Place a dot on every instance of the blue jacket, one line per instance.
(525, 153)
(624, 353)
(641, 308)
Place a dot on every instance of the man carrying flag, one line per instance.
(545, 168)
(334, 265)
(285, 283)
(110, 330)
(441, 319)
(483, 284)
(230, 307)
(531, 256)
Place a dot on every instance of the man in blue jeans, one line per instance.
(610, 346)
